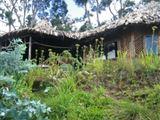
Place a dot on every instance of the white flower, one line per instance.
(2, 114)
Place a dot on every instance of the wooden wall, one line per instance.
(139, 42)
(127, 43)
(132, 41)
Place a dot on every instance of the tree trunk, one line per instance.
(24, 12)
(9, 28)
(34, 12)
(121, 9)
(97, 13)
(16, 14)
(88, 15)
(111, 12)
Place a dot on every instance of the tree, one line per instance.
(25, 13)
(125, 7)
(33, 9)
(85, 26)
(6, 16)
(20, 10)
(83, 3)
(96, 8)
(10, 20)
(107, 4)
(58, 15)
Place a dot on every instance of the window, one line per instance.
(151, 44)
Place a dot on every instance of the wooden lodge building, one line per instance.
(136, 32)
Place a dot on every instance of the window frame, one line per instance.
(153, 44)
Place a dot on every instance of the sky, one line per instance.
(74, 12)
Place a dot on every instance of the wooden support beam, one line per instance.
(0, 46)
(30, 48)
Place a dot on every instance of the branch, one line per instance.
(14, 9)
(111, 11)
(13, 26)
(14, 4)
(115, 8)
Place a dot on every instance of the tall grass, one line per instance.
(97, 89)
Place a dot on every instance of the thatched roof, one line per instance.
(146, 15)
(42, 27)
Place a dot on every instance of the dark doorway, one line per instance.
(110, 50)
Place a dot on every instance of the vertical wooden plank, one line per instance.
(158, 43)
(132, 47)
(30, 48)
(119, 45)
(0, 46)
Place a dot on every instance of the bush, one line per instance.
(15, 108)
(11, 60)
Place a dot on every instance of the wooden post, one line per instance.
(158, 43)
(0, 46)
(30, 48)
(132, 45)
(119, 45)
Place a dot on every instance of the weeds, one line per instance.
(92, 88)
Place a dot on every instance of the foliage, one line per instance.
(126, 6)
(27, 8)
(86, 89)
(94, 90)
(83, 3)
(11, 60)
(132, 111)
(14, 108)
(85, 26)
(58, 15)
(70, 103)
(25, 13)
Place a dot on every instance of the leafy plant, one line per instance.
(15, 108)
(11, 60)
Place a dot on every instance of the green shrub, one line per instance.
(15, 108)
(133, 111)
(11, 60)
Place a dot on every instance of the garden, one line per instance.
(74, 88)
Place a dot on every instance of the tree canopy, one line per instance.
(25, 13)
